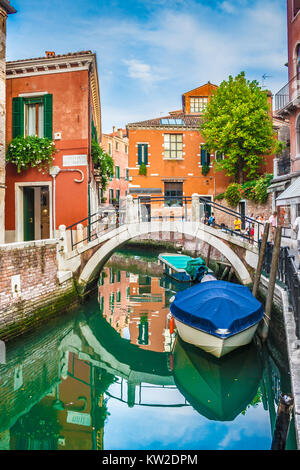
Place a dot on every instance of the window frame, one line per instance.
(176, 143)
(200, 107)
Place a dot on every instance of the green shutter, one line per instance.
(146, 154)
(48, 116)
(18, 117)
(203, 155)
(207, 158)
(140, 154)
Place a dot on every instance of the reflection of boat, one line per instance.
(183, 268)
(219, 389)
(216, 316)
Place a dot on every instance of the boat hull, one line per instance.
(214, 345)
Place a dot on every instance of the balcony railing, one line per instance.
(288, 95)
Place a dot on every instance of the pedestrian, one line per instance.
(273, 224)
(252, 233)
(296, 228)
(211, 220)
(204, 219)
(237, 224)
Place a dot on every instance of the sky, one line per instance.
(149, 52)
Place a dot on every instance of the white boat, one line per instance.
(216, 316)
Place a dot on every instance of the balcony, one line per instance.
(288, 98)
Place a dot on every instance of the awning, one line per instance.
(279, 186)
(291, 195)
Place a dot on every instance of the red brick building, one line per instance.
(287, 108)
(56, 97)
(116, 145)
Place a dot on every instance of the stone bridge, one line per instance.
(86, 259)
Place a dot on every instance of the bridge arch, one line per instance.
(123, 234)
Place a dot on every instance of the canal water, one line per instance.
(110, 376)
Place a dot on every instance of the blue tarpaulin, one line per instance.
(217, 305)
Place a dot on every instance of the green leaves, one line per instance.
(30, 151)
(104, 162)
(237, 122)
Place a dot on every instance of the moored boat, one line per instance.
(184, 268)
(216, 316)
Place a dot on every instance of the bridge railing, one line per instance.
(199, 208)
(287, 274)
(89, 228)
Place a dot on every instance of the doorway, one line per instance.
(242, 211)
(33, 211)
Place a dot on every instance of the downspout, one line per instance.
(89, 151)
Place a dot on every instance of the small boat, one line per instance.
(216, 316)
(184, 268)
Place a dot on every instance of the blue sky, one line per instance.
(149, 52)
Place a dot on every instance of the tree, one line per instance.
(104, 162)
(237, 123)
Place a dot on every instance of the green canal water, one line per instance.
(109, 376)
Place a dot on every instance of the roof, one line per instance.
(7, 6)
(57, 56)
(290, 195)
(189, 121)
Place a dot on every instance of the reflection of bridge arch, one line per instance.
(98, 343)
(223, 242)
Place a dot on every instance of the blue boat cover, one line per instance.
(217, 305)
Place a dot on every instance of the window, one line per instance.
(127, 174)
(219, 155)
(117, 145)
(33, 116)
(173, 194)
(172, 122)
(126, 148)
(198, 105)
(173, 146)
(109, 148)
(111, 196)
(117, 172)
(118, 195)
(296, 7)
(143, 154)
(205, 156)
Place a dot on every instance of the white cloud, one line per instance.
(227, 7)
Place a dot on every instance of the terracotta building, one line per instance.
(116, 145)
(167, 157)
(286, 184)
(5, 9)
(55, 96)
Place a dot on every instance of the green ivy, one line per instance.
(220, 196)
(103, 162)
(233, 194)
(261, 186)
(31, 151)
(143, 169)
(205, 169)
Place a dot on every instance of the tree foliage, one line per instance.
(104, 162)
(237, 122)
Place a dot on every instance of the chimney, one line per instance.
(114, 128)
(50, 54)
(120, 131)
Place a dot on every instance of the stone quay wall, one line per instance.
(30, 287)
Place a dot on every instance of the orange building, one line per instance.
(116, 145)
(171, 149)
(55, 97)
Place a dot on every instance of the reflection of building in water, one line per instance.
(135, 305)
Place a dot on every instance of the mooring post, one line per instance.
(262, 252)
(272, 281)
(283, 419)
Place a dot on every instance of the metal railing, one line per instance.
(180, 207)
(287, 274)
(288, 93)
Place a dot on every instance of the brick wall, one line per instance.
(29, 287)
